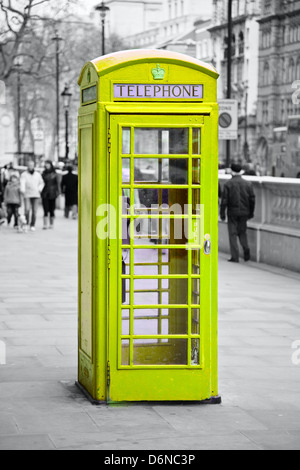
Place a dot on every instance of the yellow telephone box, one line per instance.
(148, 157)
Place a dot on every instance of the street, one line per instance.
(41, 408)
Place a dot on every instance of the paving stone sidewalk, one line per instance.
(40, 408)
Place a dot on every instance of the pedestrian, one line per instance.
(31, 187)
(238, 199)
(69, 187)
(1, 188)
(49, 193)
(9, 171)
(13, 200)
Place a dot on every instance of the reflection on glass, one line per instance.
(195, 352)
(151, 313)
(166, 261)
(172, 352)
(195, 321)
(173, 141)
(196, 291)
(126, 293)
(125, 322)
(196, 141)
(126, 141)
(162, 171)
(196, 201)
(150, 297)
(152, 229)
(125, 170)
(125, 352)
(175, 323)
(196, 171)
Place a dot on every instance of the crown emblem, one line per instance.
(158, 73)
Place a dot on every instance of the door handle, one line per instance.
(207, 247)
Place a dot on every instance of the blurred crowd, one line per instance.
(22, 191)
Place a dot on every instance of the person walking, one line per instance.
(69, 187)
(1, 188)
(13, 200)
(238, 199)
(9, 171)
(49, 193)
(32, 185)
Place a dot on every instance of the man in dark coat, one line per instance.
(239, 199)
(69, 187)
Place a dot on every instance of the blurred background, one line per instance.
(45, 43)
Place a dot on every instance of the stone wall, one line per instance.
(274, 233)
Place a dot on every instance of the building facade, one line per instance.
(175, 21)
(244, 83)
(127, 17)
(279, 69)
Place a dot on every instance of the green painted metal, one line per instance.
(160, 343)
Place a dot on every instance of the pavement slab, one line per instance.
(41, 409)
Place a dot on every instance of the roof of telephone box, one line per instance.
(109, 62)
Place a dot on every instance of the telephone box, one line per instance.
(148, 166)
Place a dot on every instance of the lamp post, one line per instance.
(229, 69)
(57, 40)
(103, 11)
(246, 145)
(18, 65)
(67, 100)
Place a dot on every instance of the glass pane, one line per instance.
(151, 313)
(161, 141)
(163, 261)
(196, 262)
(147, 292)
(174, 231)
(125, 352)
(195, 291)
(175, 321)
(195, 321)
(126, 141)
(196, 141)
(196, 201)
(161, 201)
(126, 291)
(195, 352)
(162, 171)
(125, 170)
(196, 171)
(172, 352)
(125, 322)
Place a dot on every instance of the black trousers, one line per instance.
(49, 207)
(13, 210)
(237, 229)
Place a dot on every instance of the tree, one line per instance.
(27, 28)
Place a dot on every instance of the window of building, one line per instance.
(265, 113)
(298, 69)
(283, 111)
(266, 74)
(241, 43)
(282, 71)
(291, 70)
